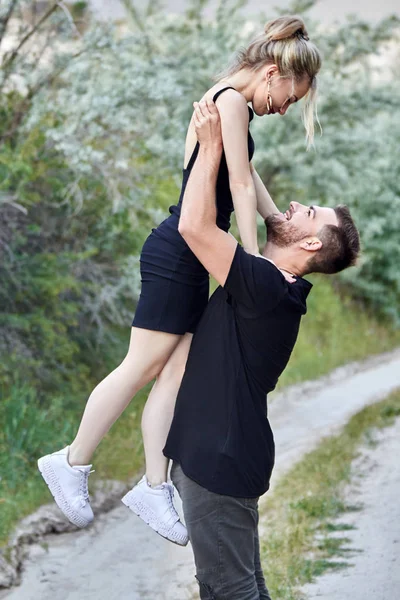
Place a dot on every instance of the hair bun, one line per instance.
(284, 28)
(301, 33)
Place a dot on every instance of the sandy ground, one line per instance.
(120, 558)
(374, 544)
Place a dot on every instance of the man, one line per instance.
(220, 439)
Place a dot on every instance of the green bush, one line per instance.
(25, 433)
(91, 149)
(69, 273)
(90, 161)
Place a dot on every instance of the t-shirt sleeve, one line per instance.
(255, 282)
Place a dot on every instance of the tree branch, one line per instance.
(23, 107)
(6, 66)
(69, 17)
(6, 18)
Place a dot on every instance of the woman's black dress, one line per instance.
(175, 285)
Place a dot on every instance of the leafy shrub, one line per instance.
(25, 433)
(123, 108)
(90, 160)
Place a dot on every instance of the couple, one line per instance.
(218, 434)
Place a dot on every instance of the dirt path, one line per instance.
(120, 558)
(374, 546)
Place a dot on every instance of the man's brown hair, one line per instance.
(340, 245)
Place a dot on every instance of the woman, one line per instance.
(277, 69)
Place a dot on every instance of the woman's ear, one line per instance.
(270, 71)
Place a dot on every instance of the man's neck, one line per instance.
(284, 258)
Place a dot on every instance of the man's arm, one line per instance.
(213, 247)
(265, 205)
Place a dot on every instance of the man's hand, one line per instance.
(208, 124)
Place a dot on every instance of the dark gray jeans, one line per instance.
(224, 535)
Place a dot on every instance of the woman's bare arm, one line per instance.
(265, 205)
(234, 115)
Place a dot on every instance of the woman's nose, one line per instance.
(283, 109)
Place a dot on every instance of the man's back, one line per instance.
(220, 433)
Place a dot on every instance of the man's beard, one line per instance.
(282, 233)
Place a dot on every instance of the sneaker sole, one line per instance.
(141, 510)
(53, 483)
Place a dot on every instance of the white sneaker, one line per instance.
(156, 507)
(69, 486)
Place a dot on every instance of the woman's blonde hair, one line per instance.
(286, 44)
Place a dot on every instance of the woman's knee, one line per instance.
(148, 355)
(139, 372)
(174, 368)
(152, 349)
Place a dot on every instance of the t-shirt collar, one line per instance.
(306, 283)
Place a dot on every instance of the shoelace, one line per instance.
(83, 486)
(169, 494)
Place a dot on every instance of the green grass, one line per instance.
(30, 431)
(297, 516)
(326, 340)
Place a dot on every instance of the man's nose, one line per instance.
(294, 206)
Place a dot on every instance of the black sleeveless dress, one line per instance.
(175, 285)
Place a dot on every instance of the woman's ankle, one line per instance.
(77, 457)
(155, 479)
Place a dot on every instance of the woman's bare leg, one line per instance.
(148, 353)
(159, 410)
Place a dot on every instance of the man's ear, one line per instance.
(311, 244)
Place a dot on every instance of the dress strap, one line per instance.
(217, 94)
(193, 157)
(197, 146)
(229, 87)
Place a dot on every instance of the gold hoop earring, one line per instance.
(269, 97)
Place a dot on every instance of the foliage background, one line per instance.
(93, 120)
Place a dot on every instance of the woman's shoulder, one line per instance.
(229, 101)
(226, 90)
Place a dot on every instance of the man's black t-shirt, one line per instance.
(220, 432)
